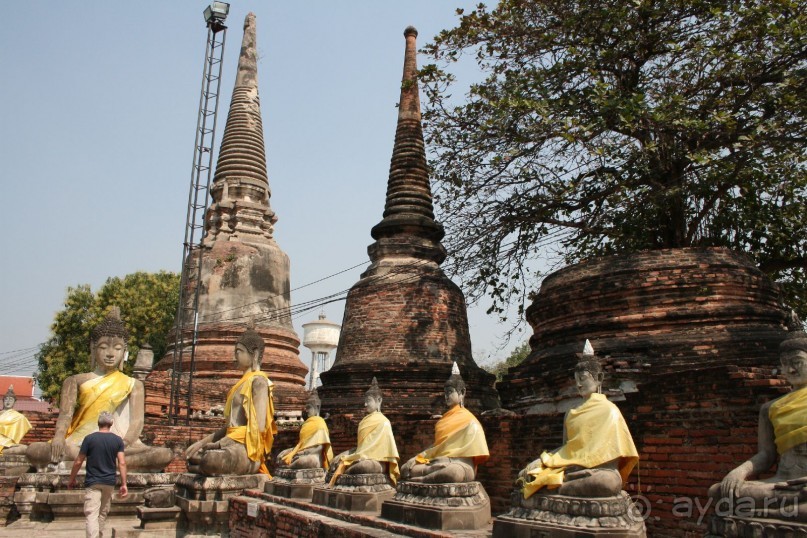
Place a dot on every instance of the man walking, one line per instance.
(101, 450)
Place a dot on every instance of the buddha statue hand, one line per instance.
(337, 460)
(198, 447)
(730, 485)
(57, 449)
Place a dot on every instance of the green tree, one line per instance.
(603, 127)
(148, 303)
(515, 358)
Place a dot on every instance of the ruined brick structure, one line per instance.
(650, 313)
(405, 321)
(245, 274)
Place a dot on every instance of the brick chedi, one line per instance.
(405, 322)
(648, 315)
(245, 274)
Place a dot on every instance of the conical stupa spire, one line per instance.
(409, 209)
(240, 188)
(242, 153)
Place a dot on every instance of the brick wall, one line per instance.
(650, 313)
(42, 426)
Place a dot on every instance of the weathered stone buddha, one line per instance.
(598, 452)
(782, 442)
(577, 489)
(375, 452)
(313, 450)
(302, 468)
(105, 388)
(13, 426)
(459, 442)
(244, 444)
(438, 489)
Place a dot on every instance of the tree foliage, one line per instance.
(603, 127)
(515, 358)
(148, 304)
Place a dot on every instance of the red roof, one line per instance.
(23, 386)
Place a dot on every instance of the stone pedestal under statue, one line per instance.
(295, 483)
(563, 516)
(45, 497)
(356, 493)
(205, 500)
(448, 507)
(732, 526)
(13, 464)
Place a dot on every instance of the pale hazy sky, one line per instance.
(98, 105)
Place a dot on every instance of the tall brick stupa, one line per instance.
(405, 322)
(245, 274)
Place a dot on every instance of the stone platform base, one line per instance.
(13, 464)
(295, 483)
(158, 518)
(460, 506)
(754, 527)
(205, 500)
(258, 514)
(45, 497)
(570, 517)
(356, 493)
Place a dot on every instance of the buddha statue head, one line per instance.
(108, 342)
(10, 398)
(249, 350)
(312, 405)
(588, 374)
(793, 356)
(373, 397)
(455, 388)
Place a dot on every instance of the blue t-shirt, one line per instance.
(101, 450)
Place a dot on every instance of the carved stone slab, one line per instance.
(159, 518)
(364, 482)
(205, 500)
(295, 483)
(753, 527)
(13, 464)
(457, 506)
(356, 493)
(570, 517)
(45, 497)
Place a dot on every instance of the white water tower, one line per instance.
(321, 337)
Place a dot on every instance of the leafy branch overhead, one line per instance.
(604, 127)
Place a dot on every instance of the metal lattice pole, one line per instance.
(187, 319)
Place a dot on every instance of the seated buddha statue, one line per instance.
(13, 426)
(459, 442)
(375, 451)
(243, 445)
(598, 452)
(782, 442)
(105, 388)
(313, 450)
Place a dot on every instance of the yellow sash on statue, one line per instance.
(257, 443)
(457, 435)
(788, 415)
(13, 427)
(313, 432)
(95, 396)
(375, 442)
(596, 433)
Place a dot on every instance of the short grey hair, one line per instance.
(105, 420)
